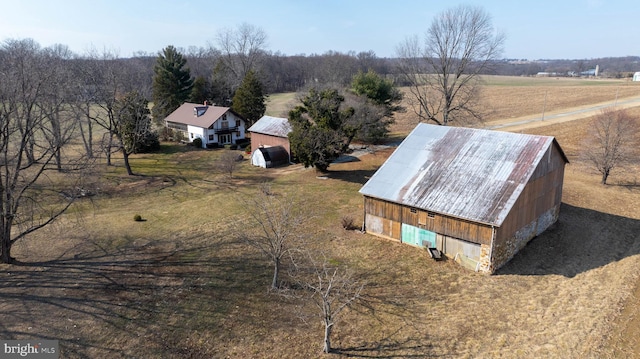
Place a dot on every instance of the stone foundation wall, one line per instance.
(485, 259)
(504, 251)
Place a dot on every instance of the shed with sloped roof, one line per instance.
(270, 131)
(476, 195)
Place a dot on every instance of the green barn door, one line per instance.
(418, 236)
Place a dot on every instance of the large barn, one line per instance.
(478, 196)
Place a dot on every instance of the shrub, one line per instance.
(233, 147)
(149, 143)
(348, 223)
(137, 218)
(197, 142)
(243, 142)
(178, 136)
(166, 134)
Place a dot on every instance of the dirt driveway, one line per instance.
(565, 115)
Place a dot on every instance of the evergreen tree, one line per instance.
(249, 99)
(172, 83)
(320, 128)
(378, 90)
(377, 100)
(201, 90)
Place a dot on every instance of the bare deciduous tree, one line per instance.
(241, 50)
(38, 179)
(275, 226)
(331, 289)
(103, 78)
(228, 162)
(611, 141)
(442, 71)
(60, 125)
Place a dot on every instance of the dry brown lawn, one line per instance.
(179, 286)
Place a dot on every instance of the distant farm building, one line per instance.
(546, 74)
(478, 196)
(636, 76)
(270, 132)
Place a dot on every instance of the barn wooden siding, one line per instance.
(445, 225)
(535, 210)
(542, 192)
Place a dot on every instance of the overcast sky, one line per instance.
(542, 29)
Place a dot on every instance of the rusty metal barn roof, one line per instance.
(471, 174)
(274, 126)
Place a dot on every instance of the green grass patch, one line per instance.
(279, 105)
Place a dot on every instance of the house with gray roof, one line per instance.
(477, 196)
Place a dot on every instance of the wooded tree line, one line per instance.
(289, 73)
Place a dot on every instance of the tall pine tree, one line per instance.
(249, 99)
(201, 90)
(172, 83)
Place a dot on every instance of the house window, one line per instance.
(413, 210)
(431, 215)
(210, 137)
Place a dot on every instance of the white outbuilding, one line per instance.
(636, 76)
(267, 157)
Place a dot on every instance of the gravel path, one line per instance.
(566, 115)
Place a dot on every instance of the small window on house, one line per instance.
(210, 137)
(431, 215)
(413, 210)
(224, 117)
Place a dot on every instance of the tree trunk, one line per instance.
(126, 162)
(108, 149)
(58, 159)
(276, 271)
(87, 140)
(327, 338)
(605, 175)
(6, 222)
(5, 248)
(86, 134)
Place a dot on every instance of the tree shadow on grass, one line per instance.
(151, 296)
(388, 348)
(630, 185)
(581, 240)
(353, 176)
